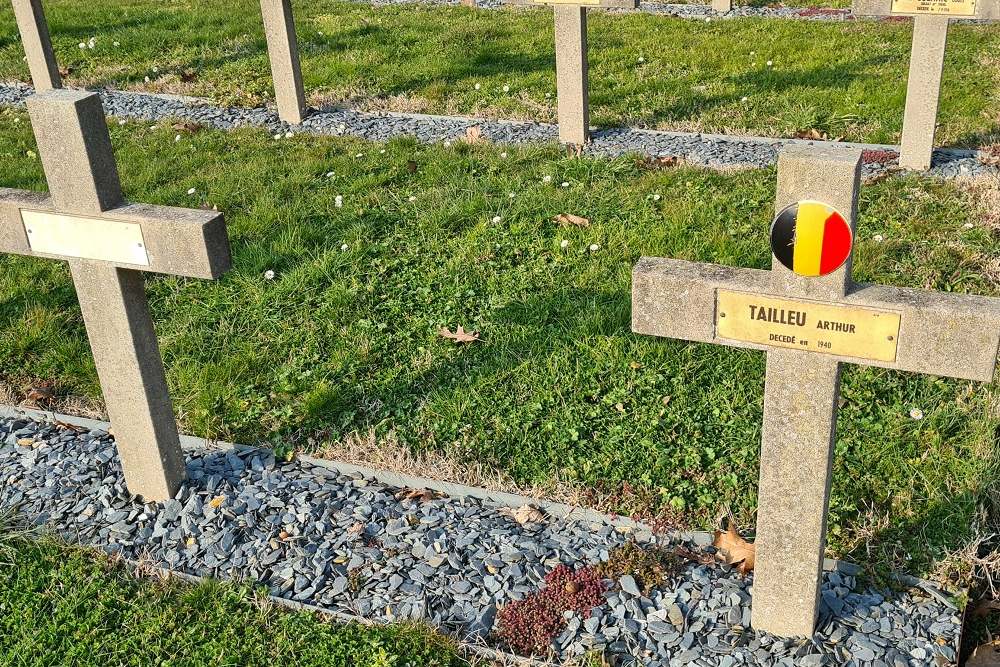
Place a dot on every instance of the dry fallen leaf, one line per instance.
(990, 155)
(283, 535)
(188, 75)
(985, 655)
(733, 549)
(570, 219)
(216, 502)
(70, 427)
(524, 514)
(419, 495)
(460, 335)
(356, 529)
(985, 606)
(187, 126)
(474, 135)
(40, 396)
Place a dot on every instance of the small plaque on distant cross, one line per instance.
(937, 7)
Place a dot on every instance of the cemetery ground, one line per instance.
(348, 261)
(116, 618)
(765, 77)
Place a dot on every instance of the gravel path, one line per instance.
(348, 544)
(714, 151)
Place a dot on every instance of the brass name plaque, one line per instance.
(85, 238)
(942, 7)
(566, 2)
(813, 326)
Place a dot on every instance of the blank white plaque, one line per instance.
(85, 238)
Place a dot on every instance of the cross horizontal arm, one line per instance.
(950, 335)
(159, 239)
(596, 4)
(985, 10)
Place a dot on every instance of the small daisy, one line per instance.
(916, 413)
(146, 79)
(447, 144)
(968, 225)
(82, 45)
(744, 98)
(565, 184)
(506, 89)
(548, 95)
(547, 179)
(564, 244)
(496, 219)
(412, 198)
(594, 247)
(360, 155)
(656, 197)
(510, 195)
(191, 191)
(344, 247)
(269, 275)
(503, 155)
(338, 201)
(478, 86)
(277, 136)
(641, 59)
(877, 238)
(118, 43)
(330, 174)
(289, 135)
(177, 138)
(770, 63)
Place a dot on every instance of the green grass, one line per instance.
(345, 341)
(846, 79)
(61, 605)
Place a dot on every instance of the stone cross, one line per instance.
(572, 84)
(283, 51)
(109, 243)
(923, 88)
(37, 45)
(809, 327)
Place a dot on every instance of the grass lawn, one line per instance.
(62, 605)
(344, 340)
(846, 79)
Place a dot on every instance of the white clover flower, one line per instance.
(191, 191)
(277, 136)
(412, 198)
(770, 63)
(338, 201)
(117, 43)
(594, 247)
(641, 59)
(916, 413)
(269, 275)
(744, 98)
(877, 238)
(511, 195)
(91, 42)
(503, 155)
(478, 86)
(968, 225)
(564, 244)
(496, 219)
(547, 179)
(156, 70)
(506, 89)
(656, 197)
(382, 152)
(564, 184)
(177, 138)
(344, 247)
(82, 45)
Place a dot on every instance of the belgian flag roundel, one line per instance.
(811, 238)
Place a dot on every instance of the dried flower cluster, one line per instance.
(649, 566)
(529, 625)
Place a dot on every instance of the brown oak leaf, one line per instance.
(524, 514)
(733, 549)
(460, 335)
(570, 219)
(985, 655)
(419, 495)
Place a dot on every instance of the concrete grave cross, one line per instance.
(37, 44)
(809, 327)
(572, 78)
(108, 244)
(283, 52)
(923, 87)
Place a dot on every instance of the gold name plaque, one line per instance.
(941, 7)
(812, 326)
(85, 238)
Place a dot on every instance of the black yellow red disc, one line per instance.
(811, 238)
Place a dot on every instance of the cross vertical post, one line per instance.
(283, 51)
(572, 86)
(923, 91)
(37, 44)
(722, 6)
